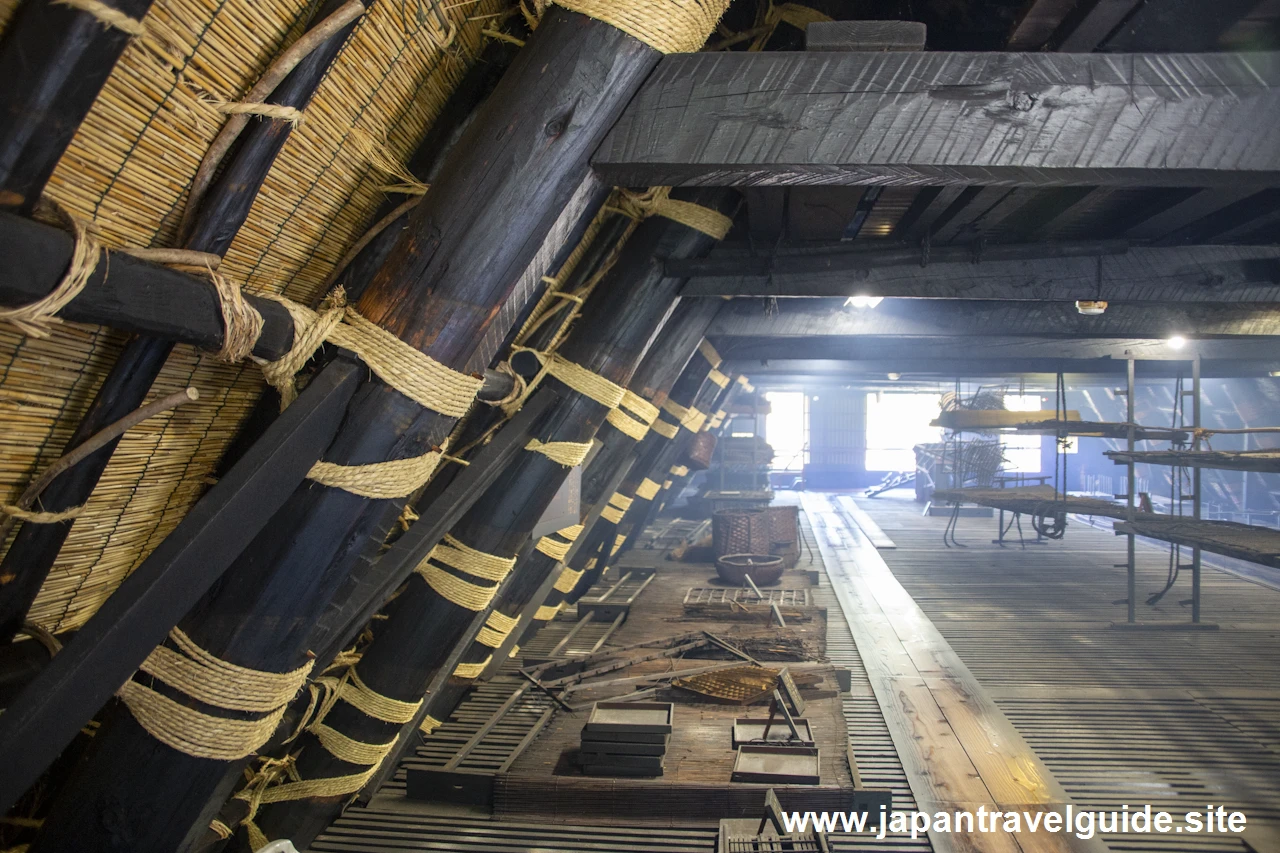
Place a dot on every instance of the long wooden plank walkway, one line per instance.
(960, 752)
(1179, 719)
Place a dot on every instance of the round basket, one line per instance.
(740, 531)
(764, 570)
(701, 449)
(784, 526)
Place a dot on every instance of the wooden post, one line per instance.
(225, 208)
(424, 622)
(503, 185)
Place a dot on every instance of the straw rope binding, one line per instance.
(471, 670)
(647, 489)
(35, 318)
(665, 428)
(196, 673)
(413, 373)
(496, 629)
(719, 378)
(456, 590)
(709, 353)
(378, 480)
(567, 581)
(669, 26)
(567, 453)
(547, 612)
(108, 16)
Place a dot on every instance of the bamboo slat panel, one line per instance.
(128, 169)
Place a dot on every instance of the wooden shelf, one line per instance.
(985, 419)
(1030, 500)
(1101, 429)
(1243, 541)
(1262, 461)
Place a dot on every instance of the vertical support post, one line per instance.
(1129, 497)
(1195, 487)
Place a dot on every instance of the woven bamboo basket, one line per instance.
(765, 570)
(784, 525)
(740, 531)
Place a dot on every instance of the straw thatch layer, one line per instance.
(128, 169)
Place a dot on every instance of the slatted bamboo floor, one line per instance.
(1171, 717)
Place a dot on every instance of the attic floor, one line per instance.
(993, 676)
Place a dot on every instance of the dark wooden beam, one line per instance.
(1195, 207)
(864, 35)
(140, 297)
(1037, 119)
(1062, 273)
(821, 318)
(890, 351)
(947, 360)
(126, 293)
(1091, 23)
(106, 651)
(609, 338)
(926, 213)
(1038, 22)
(54, 60)
(1177, 25)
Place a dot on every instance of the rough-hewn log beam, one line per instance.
(423, 625)
(1038, 272)
(503, 186)
(1007, 119)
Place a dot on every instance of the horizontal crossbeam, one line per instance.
(939, 118)
(1038, 272)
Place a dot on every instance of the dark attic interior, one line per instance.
(639, 426)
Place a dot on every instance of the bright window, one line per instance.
(896, 423)
(786, 428)
(1022, 452)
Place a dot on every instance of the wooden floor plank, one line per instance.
(955, 744)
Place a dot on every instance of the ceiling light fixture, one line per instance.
(1177, 342)
(863, 301)
(1091, 307)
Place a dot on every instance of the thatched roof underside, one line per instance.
(128, 170)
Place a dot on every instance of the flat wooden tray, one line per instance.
(643, 717)
(793, 765)
(749, 730)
